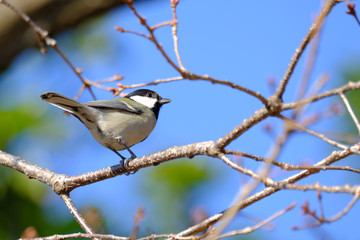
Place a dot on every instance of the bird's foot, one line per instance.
(125, 163)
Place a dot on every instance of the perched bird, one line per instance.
(116, 124)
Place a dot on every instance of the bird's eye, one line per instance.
(148, 95)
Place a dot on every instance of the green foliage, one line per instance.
(21, 198)
(20, 207)
(352, 73)
(170, 187)
(15, 120)
(353, 96)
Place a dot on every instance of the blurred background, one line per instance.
(248, 43)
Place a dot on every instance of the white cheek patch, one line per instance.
(149, 102)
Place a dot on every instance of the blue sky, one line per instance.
(242, 41)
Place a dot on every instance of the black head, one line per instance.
(149, 99)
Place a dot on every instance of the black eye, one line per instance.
(148, 94)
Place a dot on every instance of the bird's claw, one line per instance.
(125, 163)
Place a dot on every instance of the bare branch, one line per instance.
(351, 112)
(319, 83)
(111, 237)
(332, 158)
(273, 106)
(152, 37)
(195, 77)
(78, 235)
(347, 209)
(30, 170)
(336, 91)
(122, 87)
(291, 167)
(181, 69)
(122, 30)
(248, 230)
(319, 135)
(351, 11)
(243, 170)
(44, 37)
(329, 4)
(174, 3)
(73, 210)
(257, 117)
(63, 184)
(317, 187)
(321, 219)
(304, 82)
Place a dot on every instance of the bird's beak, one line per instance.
(164, 101)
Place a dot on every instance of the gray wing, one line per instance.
(114, 105)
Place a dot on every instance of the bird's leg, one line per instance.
(126, 160)
(121, 140)
(122, 157)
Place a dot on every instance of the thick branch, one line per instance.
(63, 184)
(257, 117)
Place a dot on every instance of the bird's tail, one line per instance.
(76, 108)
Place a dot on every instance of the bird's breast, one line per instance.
(131, 127)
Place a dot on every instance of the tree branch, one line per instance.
(332, 158)
(329, 4)
(73, 210)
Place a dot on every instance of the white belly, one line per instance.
(131, 128)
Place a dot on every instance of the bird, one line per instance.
(116, 124)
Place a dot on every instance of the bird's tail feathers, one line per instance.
(76, 108)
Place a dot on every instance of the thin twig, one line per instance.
(351, 11)
(321, 205)
(230, 213)
(78, 235)
(85, 82)
(319, 135)
(291, 167)
(181, 69)
(317, 187)
(351, 112)
(73, 210)
(248, 230)
(257, 117)
(152, 37)
(314, 89)
(122, 87)
(347, 209)
(174, 3)
(321, 219)
(243, 170)
(195, 77)
(111, 237)
(309, 66)
(336, 91)
(44, 36)
(122, 30)
(139, 216)
(332, 158)
(309, 36)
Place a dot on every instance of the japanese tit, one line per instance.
(116, 124)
